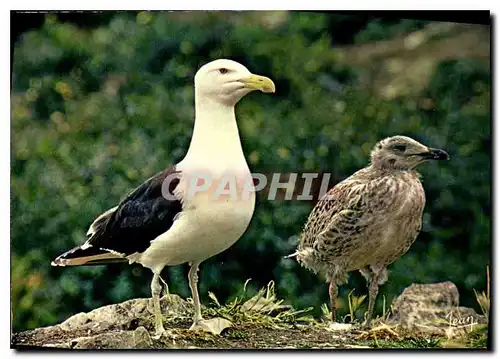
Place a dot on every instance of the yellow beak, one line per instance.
(257, 82)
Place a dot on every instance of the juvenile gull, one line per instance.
(169, 219)
(370, 219)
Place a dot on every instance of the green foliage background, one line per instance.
(98, 109)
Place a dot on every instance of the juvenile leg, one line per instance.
(372, 292)
(155, 292)
(333, 298)
(374, 276)
(193, 284)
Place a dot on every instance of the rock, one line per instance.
(434, 308)
(111, 316)
(127, 315)
(137, 339)
(124, 325)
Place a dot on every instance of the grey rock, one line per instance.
(117, 326)
(137, 339)
(434, 307)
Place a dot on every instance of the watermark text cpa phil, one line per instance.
(271, 186)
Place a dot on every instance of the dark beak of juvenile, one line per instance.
(435, 154)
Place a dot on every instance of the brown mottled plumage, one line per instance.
(369, 220)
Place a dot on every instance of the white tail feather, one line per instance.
(62, 262)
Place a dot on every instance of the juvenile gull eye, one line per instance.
(401, 148)
(223, 71)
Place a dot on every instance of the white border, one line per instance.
(186, 5)
(256, 4)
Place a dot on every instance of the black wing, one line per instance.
(141, 217)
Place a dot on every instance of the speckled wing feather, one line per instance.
(343, 197)
(349, 212)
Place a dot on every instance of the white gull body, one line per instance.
(203, 211)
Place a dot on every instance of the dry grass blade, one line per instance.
(165, 286)
(212, 296)
(483, 298)
(383, 331)
(263, 308)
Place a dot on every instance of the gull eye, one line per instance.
(223, 71)
(399, 147)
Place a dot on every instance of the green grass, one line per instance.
(478, 338)
(237, 334)
(410, 343)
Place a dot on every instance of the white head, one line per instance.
(226, 82)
